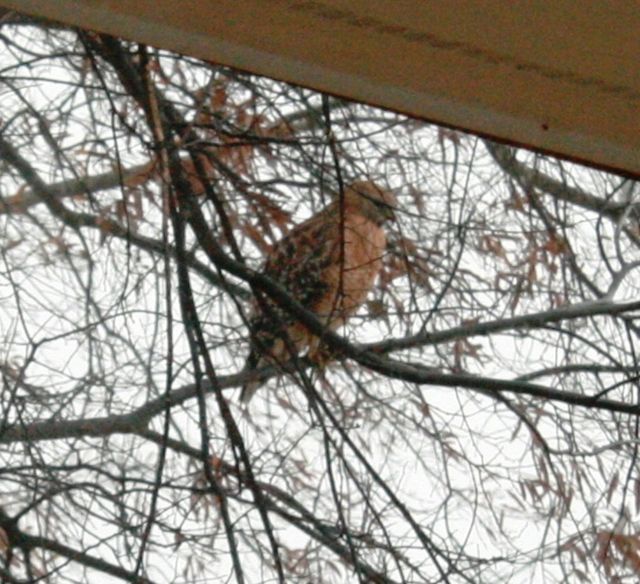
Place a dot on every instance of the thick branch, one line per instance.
(522, 322)
(137, 420)
(20, 539)
(75, 187)
(506, 159)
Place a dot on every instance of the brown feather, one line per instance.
(328, 263)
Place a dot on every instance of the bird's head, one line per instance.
(372, 201)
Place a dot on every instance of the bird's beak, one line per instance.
(389, 212)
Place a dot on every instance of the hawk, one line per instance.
(329, 264)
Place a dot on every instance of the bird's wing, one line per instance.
(298, 262)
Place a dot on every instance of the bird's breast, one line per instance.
(356, 262)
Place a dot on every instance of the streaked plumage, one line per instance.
(329, 264)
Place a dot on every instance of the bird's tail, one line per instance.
(249, 389)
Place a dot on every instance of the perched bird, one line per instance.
(329, 264)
